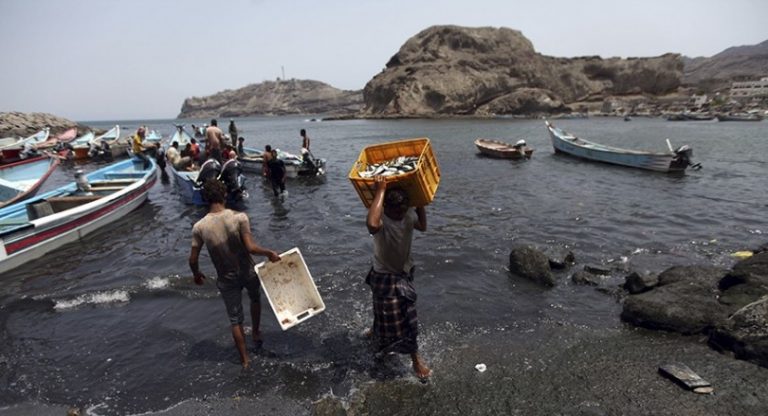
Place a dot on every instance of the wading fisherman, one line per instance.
(391, 220)
(227, 235)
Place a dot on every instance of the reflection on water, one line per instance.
(116, 321)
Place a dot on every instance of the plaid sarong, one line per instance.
(395, 324)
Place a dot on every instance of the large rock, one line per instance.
(738, 62)
(685, 300)
(274, 98)
(452, 70)
(530, 263)
(16, 124)
(746, 282)
(746, 333)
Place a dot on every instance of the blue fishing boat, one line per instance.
(189, 182)
(676, 160)
(23, 179)
(32, 228)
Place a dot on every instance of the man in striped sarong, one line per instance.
(391, 220)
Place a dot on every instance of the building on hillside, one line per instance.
(750, 89)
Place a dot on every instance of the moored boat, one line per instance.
(32, 228)
(108, 145)
(499, 149)
(676, 160)
(295, 166)
(11, 150)
(739, 117)
(23, 179)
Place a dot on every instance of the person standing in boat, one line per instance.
(214, 138)
(138, 147)
(232, 132)
(227, 236)
(240, 146)
(304, 139)
(391, 220)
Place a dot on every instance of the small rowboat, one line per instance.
(676, 160)
(32, 228)
(23, 179)
(739, 117)
(499, 149)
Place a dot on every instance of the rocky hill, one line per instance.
(738, 62)
(274, 98)
(452, 70)
(16, 124)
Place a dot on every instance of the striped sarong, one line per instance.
(395, 324)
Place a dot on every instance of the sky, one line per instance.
(90, 60)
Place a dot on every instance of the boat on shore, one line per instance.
(22, 179)
(503, 150)
(739, 117)
(32, 228)
(676, 160)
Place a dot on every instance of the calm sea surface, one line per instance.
(115, 324)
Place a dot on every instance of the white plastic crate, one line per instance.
(290, 289)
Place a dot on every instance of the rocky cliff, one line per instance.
(274, 98)
(452, 70)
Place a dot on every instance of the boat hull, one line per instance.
(37, 169)
(501, 150)
(573, 146)
(51, 232)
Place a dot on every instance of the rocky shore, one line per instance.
(17, 124)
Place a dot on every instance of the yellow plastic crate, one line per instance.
(421, 183)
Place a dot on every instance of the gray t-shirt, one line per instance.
(221, 234)
(392, 244)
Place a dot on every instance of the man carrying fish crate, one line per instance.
(395, 323)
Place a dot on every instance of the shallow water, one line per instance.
(116, 325)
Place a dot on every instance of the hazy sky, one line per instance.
(133, 59)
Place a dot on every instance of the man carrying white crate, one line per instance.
(395, 323)
(227, 235)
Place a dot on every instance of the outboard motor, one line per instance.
(683, 156)
(209, 170)
(233, 178)
(28, 151)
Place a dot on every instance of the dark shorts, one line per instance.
(395, 322)
(232, 292)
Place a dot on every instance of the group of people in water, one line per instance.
(391, 219)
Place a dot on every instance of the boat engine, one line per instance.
(684, 154)
(232, 176)
(99, 150)
(210, 169)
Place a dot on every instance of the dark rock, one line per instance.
(685, 301)
(745, 333)
(530, 263)
(636, 283)
(566, 262)
(601, 270)
(746, 282)
(583, 277)
(25, 124)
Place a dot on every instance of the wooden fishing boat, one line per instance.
(23, 179)
(295, 166)
(99, 145)
(499, 149)
(32, 228)
(11, 151)
(61, 138)
(676, 160)
(739, 117)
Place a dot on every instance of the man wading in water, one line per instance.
(227, 235)
(395, 325)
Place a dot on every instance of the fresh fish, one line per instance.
(397, 166)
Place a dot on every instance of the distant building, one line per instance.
(750, 89)
(699, 100)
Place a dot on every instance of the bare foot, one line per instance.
(257, 341)
(420, 367)
(368, 333)
(246, 364)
